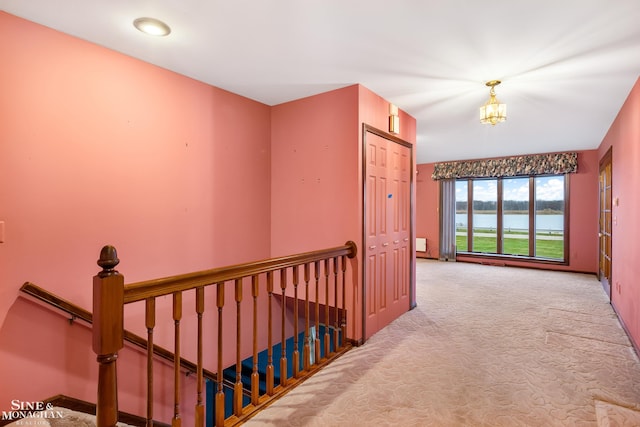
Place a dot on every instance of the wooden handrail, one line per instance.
(111, 294)
(43, 295)
(80, 313)
(157, 287)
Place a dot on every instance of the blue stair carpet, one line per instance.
(247, 370)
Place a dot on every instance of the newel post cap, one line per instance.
(108, 261)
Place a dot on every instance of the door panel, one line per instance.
(387, 239)
(406, 260)
(382, 274)
(382, 206)
(371, 206)
(372, 286)
(399, 237)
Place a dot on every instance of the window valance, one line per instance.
(538, 164)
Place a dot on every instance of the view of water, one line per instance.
(514, 221)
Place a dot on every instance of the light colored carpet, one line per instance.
(486, 346)
(59, 417)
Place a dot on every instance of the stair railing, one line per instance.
(330, 311)
(78, 313)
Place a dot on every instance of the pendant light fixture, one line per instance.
(493, 111)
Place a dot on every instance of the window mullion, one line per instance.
(470, 215)
(532, 216)
(499, 231)
(565, 232)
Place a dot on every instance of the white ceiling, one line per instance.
(567, 66)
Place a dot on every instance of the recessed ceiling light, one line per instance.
(152, 26)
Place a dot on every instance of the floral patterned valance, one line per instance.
(538, 164)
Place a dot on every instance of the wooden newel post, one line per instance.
(108, 324)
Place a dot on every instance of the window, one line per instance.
(550, 204)
(485, 215)
(462, 210)
(516, 217)
(515, 214)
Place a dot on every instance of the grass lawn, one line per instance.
(512, 246)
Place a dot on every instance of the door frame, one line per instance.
(606, 282)
(392, 138)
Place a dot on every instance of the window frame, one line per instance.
(532, 218)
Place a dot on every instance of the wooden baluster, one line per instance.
(336, 323)
(327, 337)
(108, 333)
(177, 315)
(200, 418)
(306, 352)
(150, 321)
(343, 325)
(237, 389)
(255, 377)
(270, 373)
(316, 348)
(283, 353)
(219, 405)
(296, 355)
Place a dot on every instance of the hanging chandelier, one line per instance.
(493, 111)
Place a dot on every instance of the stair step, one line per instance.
(246, 370)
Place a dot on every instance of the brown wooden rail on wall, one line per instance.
(323, 309)
(78, 313)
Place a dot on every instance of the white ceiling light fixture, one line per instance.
(493, 111)
(152, 26)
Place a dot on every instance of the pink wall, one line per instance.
(98, 148)
(428, 210)
(317, 176)
(314, 182)
(624, 139)
(57, 355)
(313, 176)
(583, 216)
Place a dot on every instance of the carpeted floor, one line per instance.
(59, 417)
(486, 346)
